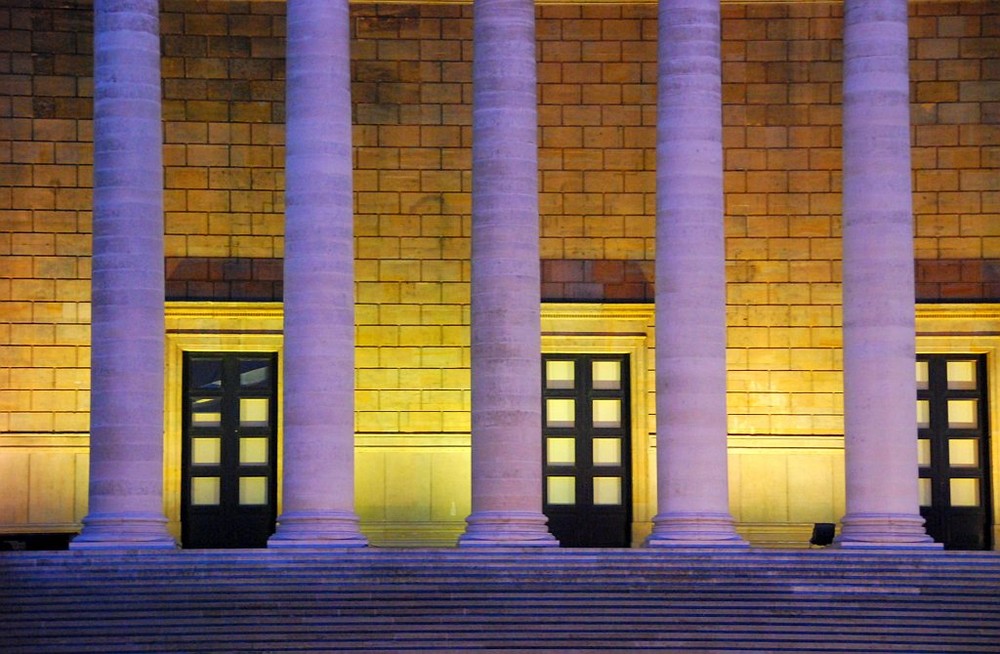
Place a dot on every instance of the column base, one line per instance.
(694, 530)
(888, 530)
(124, 531)
(507, 529)
(309, 529)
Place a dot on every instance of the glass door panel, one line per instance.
(607, 451)
(560, 374)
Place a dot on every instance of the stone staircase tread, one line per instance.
(460, 614)
(501, 646)
(183, 632)
(512, 567)
(120, 592)
(250, 580)
(333, 586)
(564, 558)
(276, 619)
(513, 637)
(208, 570)
(314, 592)
(748, 595)
(10, 560)
(830, 604)
(478, 557)
(790, 616)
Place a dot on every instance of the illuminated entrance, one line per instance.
(586, 449)
(954, 453)
(228, 490)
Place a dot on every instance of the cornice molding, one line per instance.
(959, 311)
(187, 310)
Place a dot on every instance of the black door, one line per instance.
(228, 490)
(953, 438)
(586, 455)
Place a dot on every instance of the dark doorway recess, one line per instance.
(586, 438)
(229, 481)
(953, 447)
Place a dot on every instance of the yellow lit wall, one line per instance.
(223, 107)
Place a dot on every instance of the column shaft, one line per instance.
(318, 474)
(506, 323)
(127, 329)
(878, 287)
(692, 484)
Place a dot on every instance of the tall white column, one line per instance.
(127, 288)
(692, 483)
(318, 474)
(506, 302)
(879, 323)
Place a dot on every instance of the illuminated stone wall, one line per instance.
(223, 89)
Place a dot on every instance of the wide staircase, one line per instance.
(515, 600)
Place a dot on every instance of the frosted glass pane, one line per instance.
(204, 491)
(963, 452)
(607, 375)
(925, 492)
(206, 451)
(253, 411)
(560, 451)
(253, 450)
(962, 414)
(562, 490)
(607, 490)
(961, 375)
(923, 451)
(607, 413)
(205, 374)
(253, 490)
(560, 412)
(254, 373)
(560, 374)
(607, 451)
(964, 492)
(923, 376)
(206, 412)
(923, 414)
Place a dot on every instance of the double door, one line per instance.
(586, 454)
(229, 480)
(953, 449)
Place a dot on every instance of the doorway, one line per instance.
(229, 449)
(586, 445)
(953, 449)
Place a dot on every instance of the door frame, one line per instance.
(211, 327)
(963, 328)
(598, 328)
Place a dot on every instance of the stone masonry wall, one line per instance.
(223, 89)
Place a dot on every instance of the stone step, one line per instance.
(392, 564)
(451, 600)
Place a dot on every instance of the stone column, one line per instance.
(879, 323)
(318, 474)
(691, 448)
(506, 302)
(127, 287)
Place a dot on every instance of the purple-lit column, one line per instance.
(879, 332)
(506, 323)
(127, 287)
(691, 432)
(318, 475)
